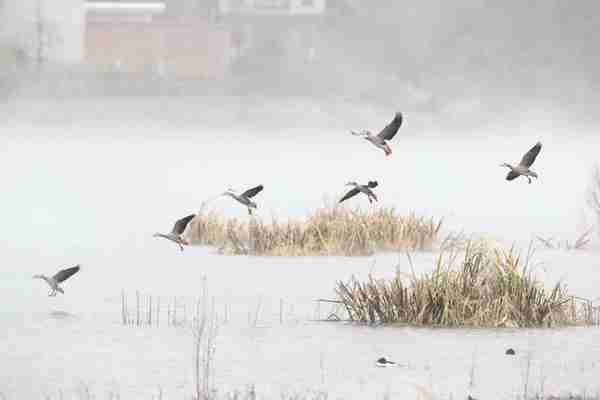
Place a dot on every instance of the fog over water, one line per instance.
(94, 161)
(82, 193)
(111, 180)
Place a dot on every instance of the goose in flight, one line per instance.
(383, 362)
(176, 234)
(523, 168)
(245, 197)
(366, 189)
(58, 278)
(380, 140)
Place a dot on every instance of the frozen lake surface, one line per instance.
(79, 193)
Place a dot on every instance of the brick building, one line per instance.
(146, 38)
(204, 39)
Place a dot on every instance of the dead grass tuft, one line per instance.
(490, 287)
(329, 231)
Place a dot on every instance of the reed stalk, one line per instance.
(123, 308)
(137, 308)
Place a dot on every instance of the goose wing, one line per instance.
(65, 274)
(250, 193)
(530, 156)
(351, 193)
(392, 128)
(182, 223)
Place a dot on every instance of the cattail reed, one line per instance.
(174, 313)
(150, 310)
(281, 311)
(137, 308)
(123, 308)
(158, 311)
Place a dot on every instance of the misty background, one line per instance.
(456, 67)
(158, 106)
(120, 117)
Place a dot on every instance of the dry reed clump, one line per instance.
(329, 231)
(490, 288)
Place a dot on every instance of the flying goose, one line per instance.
(245, 197)
(386, 134)
(523, 168)
(176, 234)
(58, 278)
(383, 362)
(366, 189)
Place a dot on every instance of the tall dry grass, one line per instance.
(328, 231)
(489, 287)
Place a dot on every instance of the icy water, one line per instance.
(94, 193)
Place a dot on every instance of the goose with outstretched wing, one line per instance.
(366, 189)
(58, 278)
(380, 140)
(523, 168)
(245, 198)
(176, 235)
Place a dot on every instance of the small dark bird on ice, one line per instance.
(366, 189)
(58, 278)
(380, 140)
(176, 235)
(522, 169)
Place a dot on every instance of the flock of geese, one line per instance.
(380, 141)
